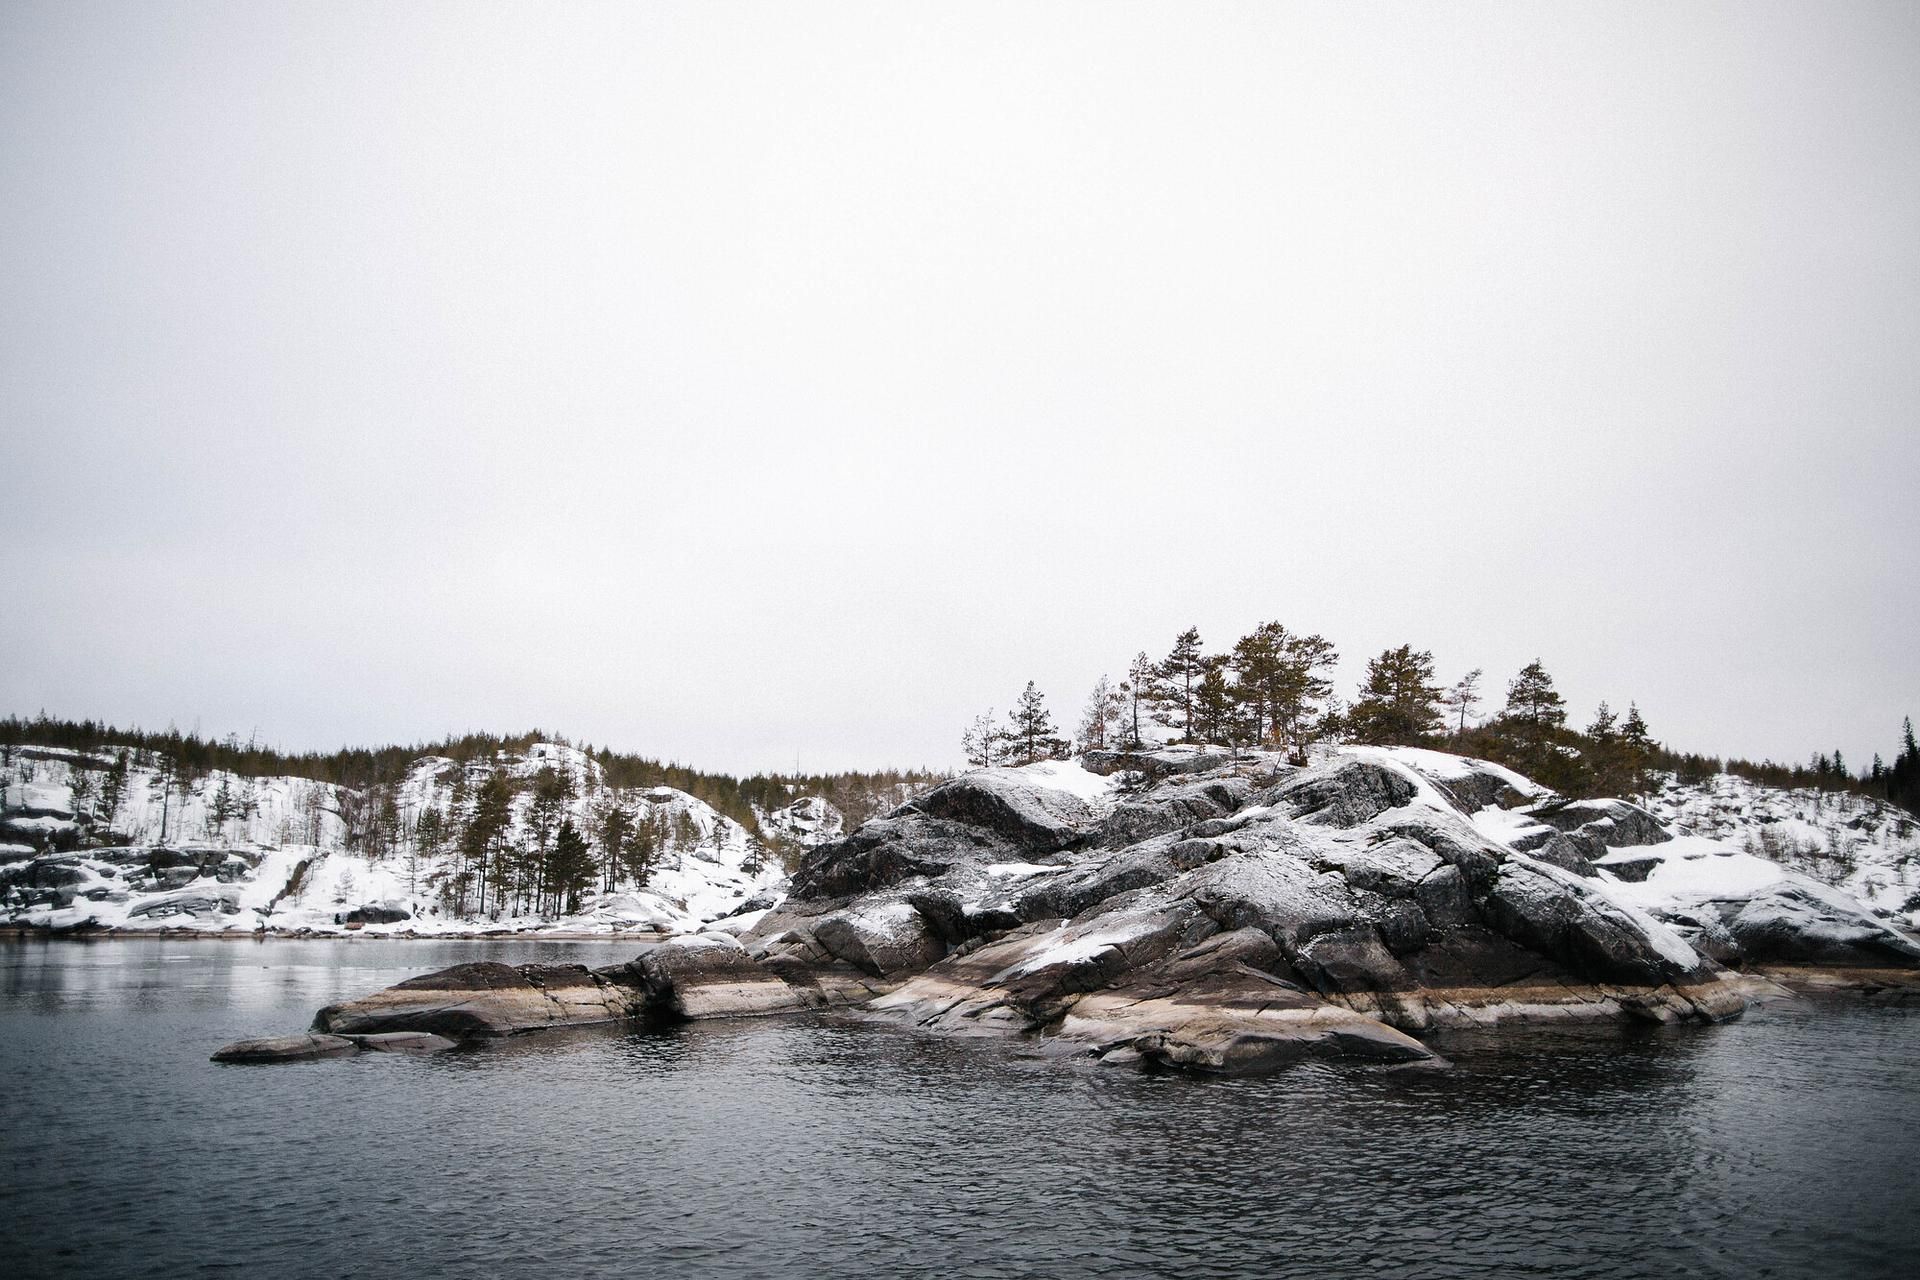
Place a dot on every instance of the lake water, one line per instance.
(1785, 1144)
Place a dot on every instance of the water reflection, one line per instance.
(821, 1144)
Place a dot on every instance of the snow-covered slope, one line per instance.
(1867, 848)
(1742, 871)
(242, 854)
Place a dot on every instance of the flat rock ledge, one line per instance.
(699, 976)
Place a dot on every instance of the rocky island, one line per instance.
(1215, 911)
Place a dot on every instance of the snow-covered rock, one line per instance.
(806, 822)
(1383, 899)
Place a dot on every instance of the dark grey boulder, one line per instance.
(1350, 960)
(198, 898)
(1155, 765)
(1173, 808)
(1344, 793)
(1276, 893)
(1481, 786)
(1037, 819)
(1614, 824)
(1077, 890)
(46, 873)
(1445, 900)
(1794, 924)
(375, 913)
(881, 938)
(1562, 919)
(902, 846)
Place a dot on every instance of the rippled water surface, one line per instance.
(1785, 1144)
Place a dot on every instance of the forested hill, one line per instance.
(361, 768)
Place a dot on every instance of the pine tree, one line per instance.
(386, 823)
(82, 783)
(1399, 704)
(1031, 734)
(483, 842)
(221, 809)
(113, 789)
(429, 837)
(983, 742)
(642, 848)
(1532, 699)
(1534, 715)
(1462, 699)
(1903, 775)
(1603, 756)
(1278, 680)
(1213, 705)
(569, 869)
(1140, 689)
(1177, 676)
(613, 823)
(1101, 716)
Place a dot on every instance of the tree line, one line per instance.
(1272, 689)
(189, 757)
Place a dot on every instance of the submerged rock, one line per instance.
(404, 1042)
(286, 1049)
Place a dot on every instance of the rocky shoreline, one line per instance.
(1200, 912)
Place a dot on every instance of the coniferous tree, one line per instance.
(82, 783)
(1178, 676)
(1534, 715)
(1903, 775)
(221, 809)
(569, 869)
(1399, 704)
(1213, 704)
(1031, 734)
(1279, 681)
(983, 742)
(385, 822)
(429, 838)
(1140, 689)
(1101, 716)
(113, 789)
(483, 843)
(643, 844)
(1532, 699)
(1603, 756)
(1461, 699)
(613, 823)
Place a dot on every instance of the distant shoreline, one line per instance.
(22, 933)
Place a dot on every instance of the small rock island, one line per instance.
(1209, 911)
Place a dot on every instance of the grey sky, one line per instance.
(744, 383)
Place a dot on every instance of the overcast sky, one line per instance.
(769, 383)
